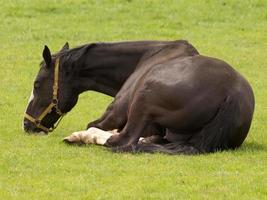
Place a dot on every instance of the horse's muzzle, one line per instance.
(29, 127)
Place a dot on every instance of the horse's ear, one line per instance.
(65, 47)
(47, 56)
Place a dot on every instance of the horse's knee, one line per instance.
(92, 124)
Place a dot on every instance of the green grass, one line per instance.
(42, 167)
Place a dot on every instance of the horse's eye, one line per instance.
(36, 85)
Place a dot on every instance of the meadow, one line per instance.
(43, 167)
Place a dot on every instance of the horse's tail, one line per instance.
(217, 135)
(225, 131)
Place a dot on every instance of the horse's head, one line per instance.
(52, 96)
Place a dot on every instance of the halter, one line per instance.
(54, 104)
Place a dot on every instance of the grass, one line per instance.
(42, 167)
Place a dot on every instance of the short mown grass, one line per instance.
(43, 167)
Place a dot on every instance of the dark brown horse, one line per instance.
(193, 103)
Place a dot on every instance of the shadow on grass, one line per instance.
(79, 144)
(253, 147)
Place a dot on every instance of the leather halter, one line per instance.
(54, 104)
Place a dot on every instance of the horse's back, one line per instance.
(194, 76)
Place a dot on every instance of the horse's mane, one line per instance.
(74, 52)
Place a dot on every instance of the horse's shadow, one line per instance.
(253, 147)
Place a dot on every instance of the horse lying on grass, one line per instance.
(165, 91)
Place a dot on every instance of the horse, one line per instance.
(179, 101)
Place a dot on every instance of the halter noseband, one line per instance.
(54, 104)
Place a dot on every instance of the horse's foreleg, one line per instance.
(114, 117)
(137, 122)
(90, 136)
(102, 118)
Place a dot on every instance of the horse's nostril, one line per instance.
(26, 125)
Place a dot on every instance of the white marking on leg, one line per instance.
(90, 136)
(100, 137)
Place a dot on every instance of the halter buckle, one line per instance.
(55, 101)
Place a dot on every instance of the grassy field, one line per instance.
(43, 167)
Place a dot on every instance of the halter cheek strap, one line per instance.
(54, 104)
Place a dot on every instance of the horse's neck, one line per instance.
(107, 66)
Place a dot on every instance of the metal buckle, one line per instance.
(55, 101)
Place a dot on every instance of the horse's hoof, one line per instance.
(70, 142)
(154, 139)
(72, 139)
(66, 140)
(116, 140)
(113, 141)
